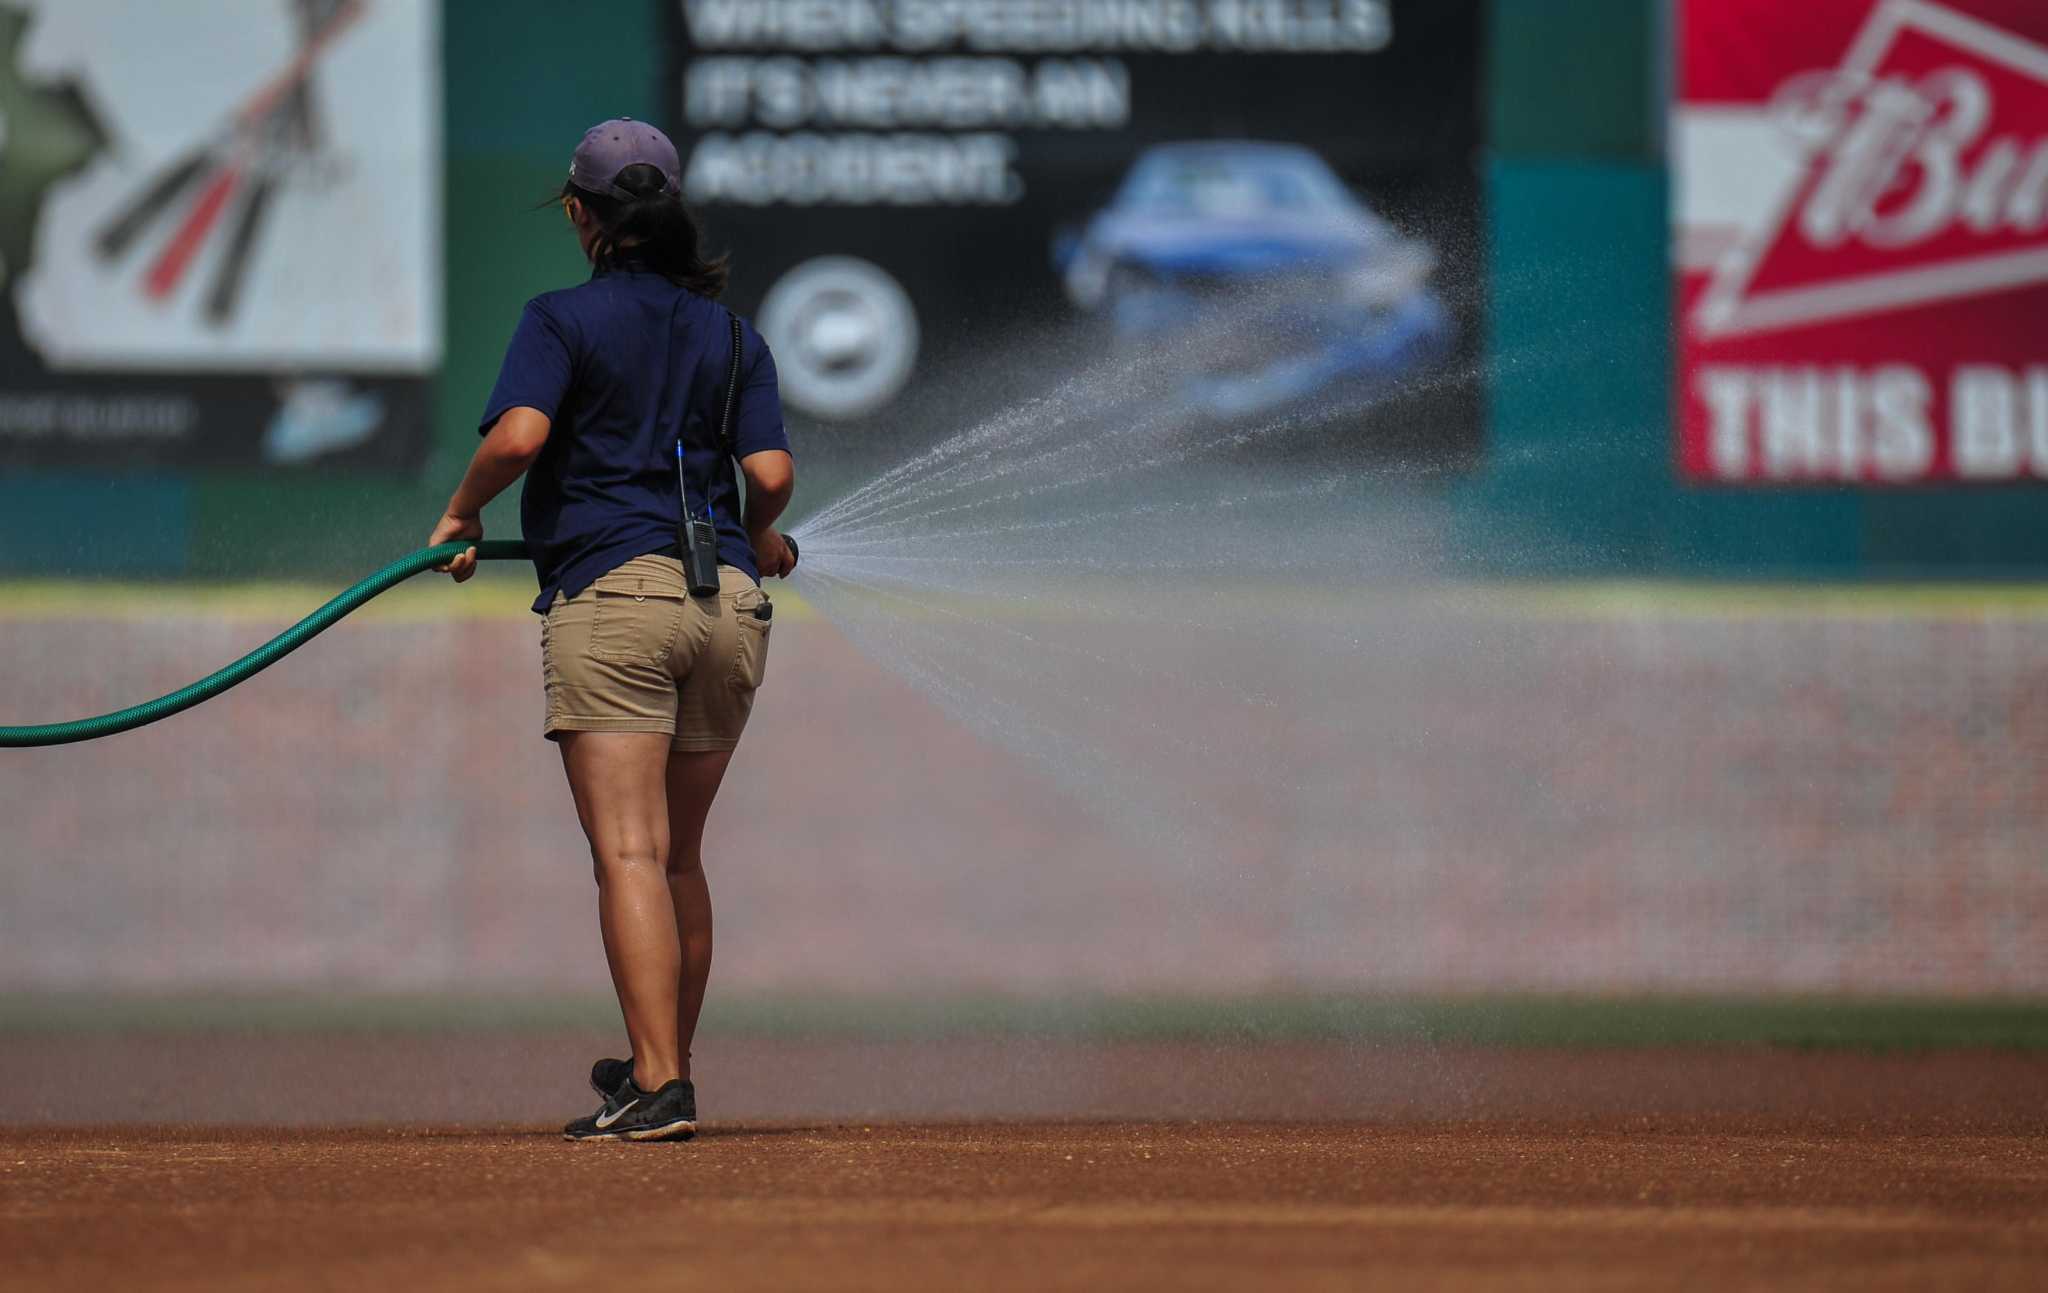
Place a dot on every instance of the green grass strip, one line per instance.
(1540, 1021)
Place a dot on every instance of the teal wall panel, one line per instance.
(1579, 358)
(115, 525)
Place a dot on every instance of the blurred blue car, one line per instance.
(1287, 289)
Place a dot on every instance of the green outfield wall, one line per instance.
(1578, 476)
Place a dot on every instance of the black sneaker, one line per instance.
(632, 1114)
(607, 1076)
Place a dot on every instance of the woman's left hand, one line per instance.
(452, 529)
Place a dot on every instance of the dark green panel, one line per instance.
(525, 77)
(1574, 78)
(333, 526)
(2001, 531)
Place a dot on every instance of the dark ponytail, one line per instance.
(652, 228)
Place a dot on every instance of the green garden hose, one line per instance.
(86, 729)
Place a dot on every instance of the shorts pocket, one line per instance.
(633, 628)
(750, 660)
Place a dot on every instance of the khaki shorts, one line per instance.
(634, 652)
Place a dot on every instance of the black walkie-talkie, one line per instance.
(698, 540)
(698, 535)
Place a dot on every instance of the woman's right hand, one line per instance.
(772, 555)
(454, 529)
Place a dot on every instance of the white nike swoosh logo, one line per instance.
(604, 1121)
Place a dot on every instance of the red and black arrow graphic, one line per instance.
(272, 129)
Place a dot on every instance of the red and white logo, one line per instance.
(1862, 244)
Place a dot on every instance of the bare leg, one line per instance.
(621, 799)
(693, 780)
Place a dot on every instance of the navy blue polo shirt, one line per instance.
(623, 365)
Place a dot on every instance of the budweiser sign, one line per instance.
(1861, 240)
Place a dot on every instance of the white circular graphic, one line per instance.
(844, 335)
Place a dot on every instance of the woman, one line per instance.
(648, 687)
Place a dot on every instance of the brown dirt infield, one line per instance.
(1422, 1168)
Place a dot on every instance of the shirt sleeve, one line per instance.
(757, 422)
(539, 364)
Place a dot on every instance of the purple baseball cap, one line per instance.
(611, 146)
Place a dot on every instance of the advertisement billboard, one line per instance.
(1277, 202)
(221, 243)
(1861, 241)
